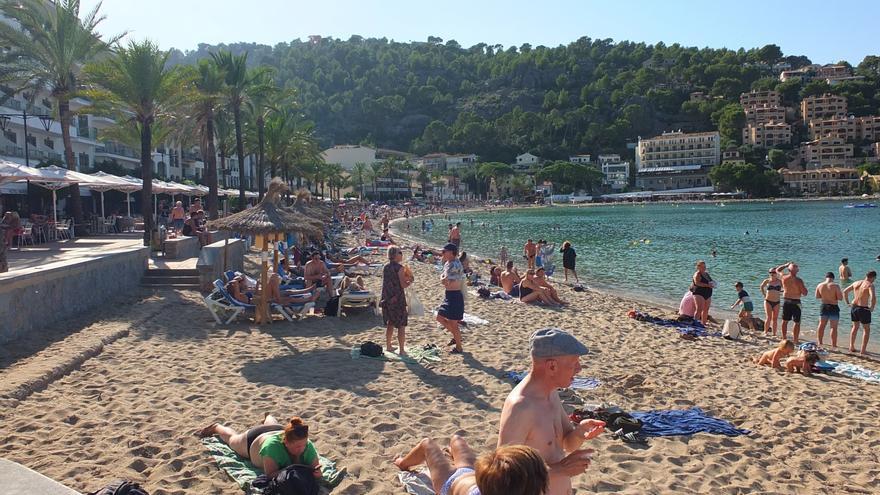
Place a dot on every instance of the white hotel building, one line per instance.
(677, 160)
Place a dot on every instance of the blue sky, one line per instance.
(824, 31)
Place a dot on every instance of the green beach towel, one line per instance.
(414, 355)
(243, 472)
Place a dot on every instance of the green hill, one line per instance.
(590, 96)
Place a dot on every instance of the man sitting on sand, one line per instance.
(830, 295)
(510, 280)
(316, 272)
(863, 304)
(510, 470)
(533, 415)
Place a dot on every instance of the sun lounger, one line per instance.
(358, 299)
(221, 302)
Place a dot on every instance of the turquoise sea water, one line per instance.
(650, 250)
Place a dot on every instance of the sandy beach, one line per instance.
(118, 393)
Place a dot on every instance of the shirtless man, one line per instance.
(510, 280)
(533, 415)
(455, 235)
(530, 250)
(864, 300)
(316, 272)
(793, 289)
(845, 272)
(830, 294)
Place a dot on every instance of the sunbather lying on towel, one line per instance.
(508, 470)
(270, 446)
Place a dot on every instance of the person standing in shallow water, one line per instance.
(569, 257)
(845, 272)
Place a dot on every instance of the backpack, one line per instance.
(332, 306)
(371, 349)
(296, 479)
(121, 487)
(731, 330)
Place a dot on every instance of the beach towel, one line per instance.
(578, 383)
(414, 355)
(244, 473)
(854, 371)
(694, 328)
(684, 422)
(416, 482)
(470, 319)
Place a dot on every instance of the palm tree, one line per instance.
(238, 85)
(261, 103)
(423, 177)
(359, 173)
(391, 169)
(376, 169)
(45, 47)
(136, 82)
(224, 136)
(208, 82)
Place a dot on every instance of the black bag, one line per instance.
(371, 349)
(296, 479)
(121, 487)
(332, 306)
(484, 292)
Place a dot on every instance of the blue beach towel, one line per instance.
(579, 383)
(854, 371)
(694, 328)
(684, 422)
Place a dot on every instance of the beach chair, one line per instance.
(358, 299)
(219, 301)
(62, 230)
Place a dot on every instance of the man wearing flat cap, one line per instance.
(533, 415)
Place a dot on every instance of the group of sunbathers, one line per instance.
(533, 287)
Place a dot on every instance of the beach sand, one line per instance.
(119, 392)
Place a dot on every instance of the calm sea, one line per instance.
(649, 250)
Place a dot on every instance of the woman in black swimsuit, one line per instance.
(701, 286)
(771, 287)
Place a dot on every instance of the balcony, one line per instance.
(117, 150)
(191, 156)
(87, 132)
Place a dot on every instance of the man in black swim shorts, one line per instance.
(793, 289)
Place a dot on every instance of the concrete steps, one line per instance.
(171, 278)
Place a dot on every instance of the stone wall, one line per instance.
(36, 297)
(210, 264)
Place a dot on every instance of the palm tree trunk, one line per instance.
(147, 177)
(211, 173)
(223, 167)
(260, 175)
(239, 149)
(75, 200)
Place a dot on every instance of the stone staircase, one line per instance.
(168, 278)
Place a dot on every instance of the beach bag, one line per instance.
(296, 479)
(414, 306)
(332, 306)
(484, 292)
(121, 487)
(371, 349)
(731, 330)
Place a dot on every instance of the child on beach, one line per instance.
(745, 300)
(802, 363)
(773, 357)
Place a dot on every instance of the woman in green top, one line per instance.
(270, 446)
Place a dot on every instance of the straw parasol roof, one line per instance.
(268, 218)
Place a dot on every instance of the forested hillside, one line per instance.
(591, 96)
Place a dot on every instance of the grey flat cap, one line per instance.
(552, 342)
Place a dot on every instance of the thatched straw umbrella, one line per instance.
(266, 219)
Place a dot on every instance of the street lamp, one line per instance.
(46, 120)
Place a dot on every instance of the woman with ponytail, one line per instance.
(270, 446)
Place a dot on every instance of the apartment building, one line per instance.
(847, 128)
(825, 152)
(768, 98)
(616, 175)
(526, 161)
(732, 156)
(764, 114)
(454, 162)
(767, 135)
(679, 149)
(829, 180)
(669, 178)
(348, 155)
(825, 106)
(582, 159)
(609, 158)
